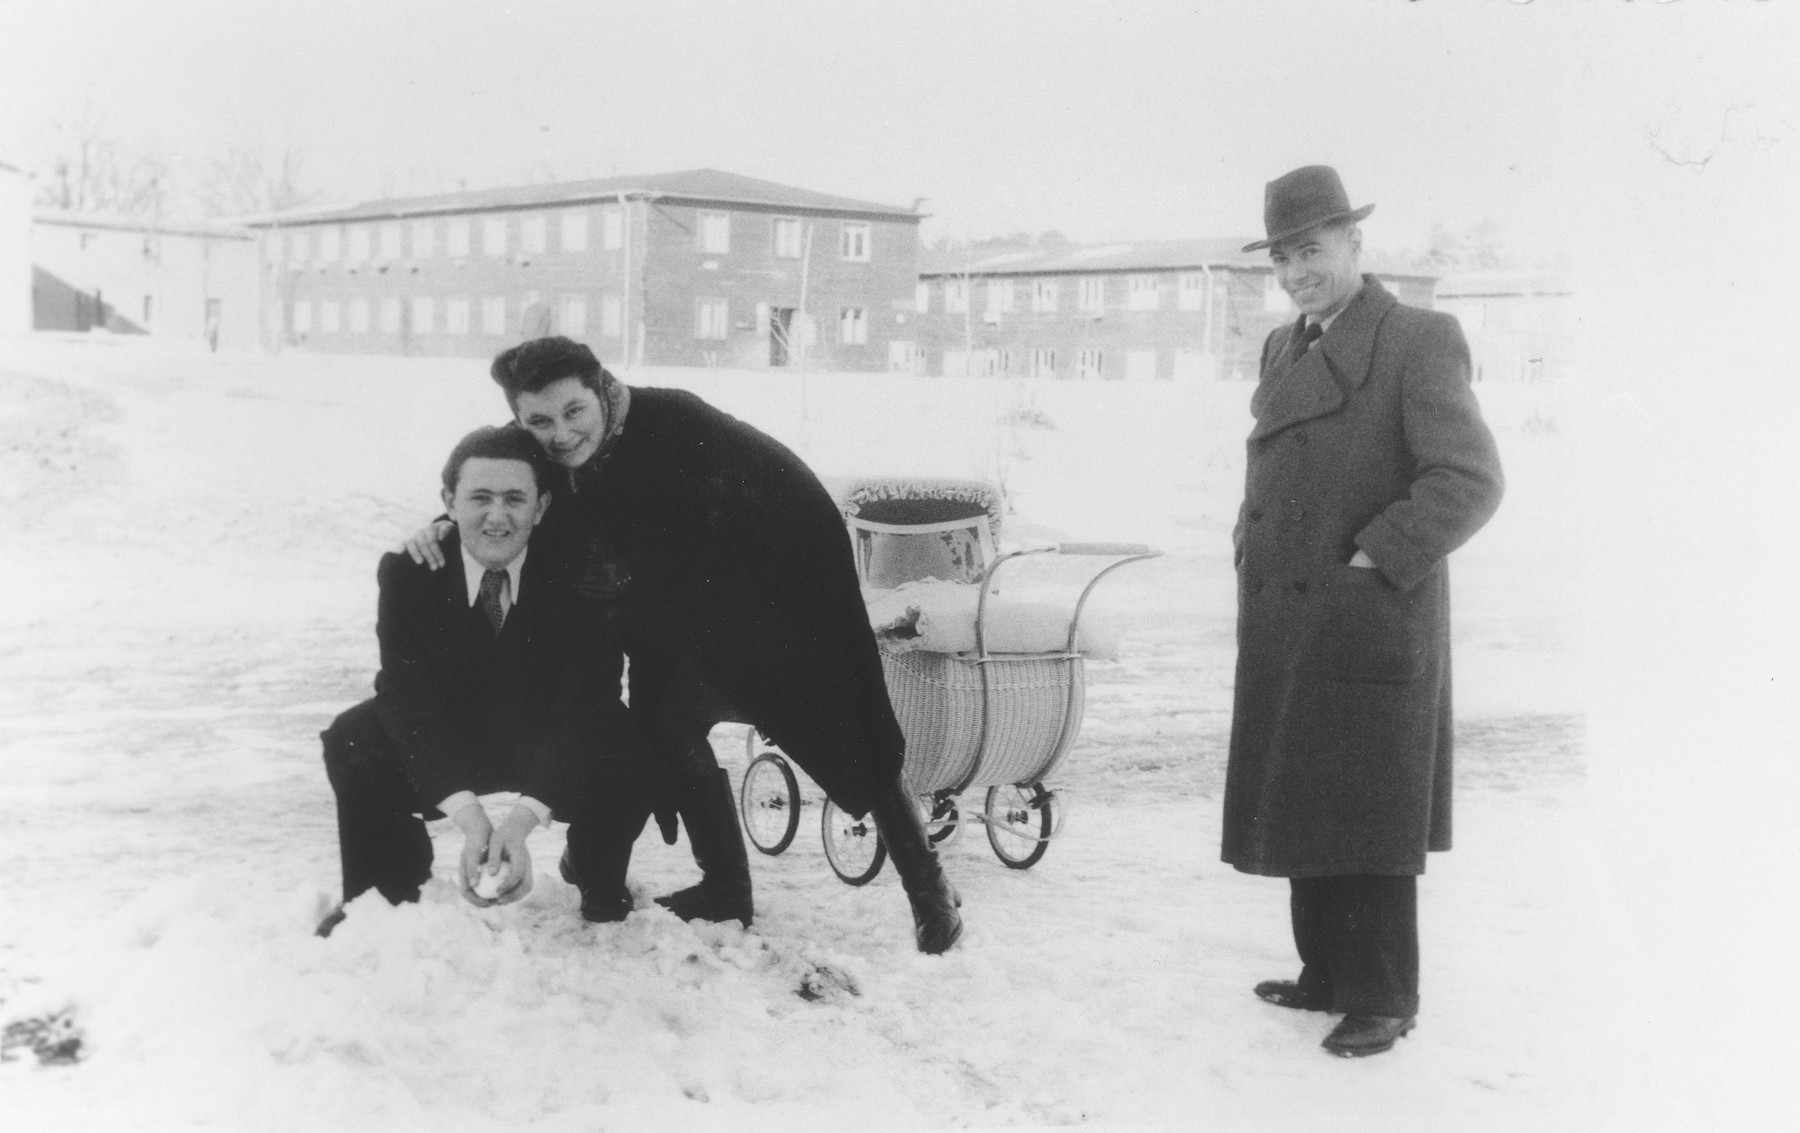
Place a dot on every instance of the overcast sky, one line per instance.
(1104, 120)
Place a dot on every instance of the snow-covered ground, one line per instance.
(190, 591)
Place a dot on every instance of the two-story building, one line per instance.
(134, 276)
(1152, 310)
(698, 268)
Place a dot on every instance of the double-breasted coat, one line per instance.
(1341, 743)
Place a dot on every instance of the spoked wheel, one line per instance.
(943, 822)
(770, 803)
(852, 845)
(1019, 822)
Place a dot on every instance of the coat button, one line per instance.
(1256, 585)
(1299, 586)
(1299, 436)
(1295, 511)
(1255, 515)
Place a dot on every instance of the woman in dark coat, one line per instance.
(728, 569)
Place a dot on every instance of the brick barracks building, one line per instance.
(699, 268)
(1149, 311)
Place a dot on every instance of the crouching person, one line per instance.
(494, 676)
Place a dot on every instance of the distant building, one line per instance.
(1161, 310)
(1520, 324)
(700, 268)
(15, 249)
(194, 281)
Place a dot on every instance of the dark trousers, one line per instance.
(382, 841)
(677, 706)
(1358, 938)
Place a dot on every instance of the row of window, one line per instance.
(363, 243)
(1086, 364)
(420, 315)
(1046, 296)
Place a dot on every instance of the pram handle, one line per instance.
(1119, 549)
(1122, 553)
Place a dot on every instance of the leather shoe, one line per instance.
(567, 869)
(1358, 1036)
(1287, 993)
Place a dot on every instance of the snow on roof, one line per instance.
(1142, 255)
(65, 219)
(693, 185)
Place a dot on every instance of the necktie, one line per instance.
(1310, 335)
(493, 586)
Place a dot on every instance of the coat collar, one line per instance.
(1293, 390)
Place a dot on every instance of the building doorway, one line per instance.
(781, 326)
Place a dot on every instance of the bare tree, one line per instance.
(89, 170)
(247, 178)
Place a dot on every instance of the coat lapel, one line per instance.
(1296, 390)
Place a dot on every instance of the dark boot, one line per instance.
(936, 923)
(709, 811)
(596, 861)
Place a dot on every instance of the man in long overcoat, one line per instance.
(1367, 465)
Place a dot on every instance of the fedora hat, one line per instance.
(1296, 201)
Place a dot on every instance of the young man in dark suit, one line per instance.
(495, 676)
(1368, 464)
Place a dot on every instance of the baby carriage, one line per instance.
(989, 694)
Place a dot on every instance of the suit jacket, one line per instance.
(529, 710)
(1340, 757)
(712, 541)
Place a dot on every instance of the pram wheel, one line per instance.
(770, 803)
(1019, 822)
(852, 845)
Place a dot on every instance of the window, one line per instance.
(612, 228)
(493, 236)
(715, 232)
(710, 317)
(272, 249)
(854, 243)
(390, 316)
(1093, 295)
(905, 357)
(297, 247)
(424, 239)
(1043, 363)
(922, 298)
(999, 296)
(532, 234)
(456, 238)
(493, 315)
(359, 316)
(329, 317)
(574, 231)
(853, 326)
(787, 237)
(1044, 296)
(1142, 294)
(1089, 362)
(330, 244)
(1275, 300)
(302, 316)
(956, 296)
(611, 317)
(422, 311)
(149, 309)
(571, 318)
(390, 241)
(1191, 293)
(358, 250)
(456, 316)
